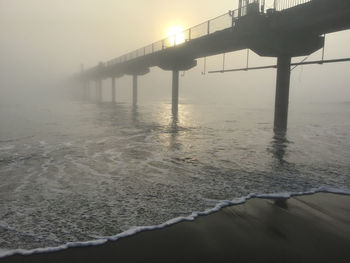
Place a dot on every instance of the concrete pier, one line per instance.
(134, 90)
(175, 92)
(295, 29)
(113, 89)
(85, 90)
(282, 93)
(99, 90)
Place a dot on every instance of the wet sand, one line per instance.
(313, 228)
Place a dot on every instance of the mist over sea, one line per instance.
(78, 170)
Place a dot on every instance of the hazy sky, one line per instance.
(43, 39)
(70, 31)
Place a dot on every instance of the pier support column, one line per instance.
(89, 84)
(113, 89)
(175, 92)
(99, 90)
(85, 89)
(282, 93)
(88, 90)
(134, 90)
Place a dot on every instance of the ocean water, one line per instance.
(73, 171)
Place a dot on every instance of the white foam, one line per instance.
(7, 147)
(4, 251)
(135, 230)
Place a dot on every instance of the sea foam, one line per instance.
(193, 216)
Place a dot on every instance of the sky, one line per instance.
(45, 40)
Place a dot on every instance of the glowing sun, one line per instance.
(176, 35)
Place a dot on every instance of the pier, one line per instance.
(292, 28)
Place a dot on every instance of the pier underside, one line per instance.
(296, 31)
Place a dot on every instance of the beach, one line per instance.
(309, 228)
(148, 131)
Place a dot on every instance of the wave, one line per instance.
(17, 139)
(193, 216)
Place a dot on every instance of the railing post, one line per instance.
(152, 47)
(262, 10)
(189, 34)
(208, 27)
(240, 8)
(162, 44)
(233, 18)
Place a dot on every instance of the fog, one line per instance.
(45, 41)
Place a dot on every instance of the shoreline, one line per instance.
(304, 228)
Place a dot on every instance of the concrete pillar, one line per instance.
(99, 90)
(90, 86)
(282, 93)
(113, 89)
(85, 89)
(96, 89)
(175, 92)
(134, 90)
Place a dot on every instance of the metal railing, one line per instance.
(285, 4)
(219, 23)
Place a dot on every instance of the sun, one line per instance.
(176, 35)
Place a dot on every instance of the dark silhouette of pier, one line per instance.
(292, 28)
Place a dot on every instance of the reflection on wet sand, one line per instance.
(281, 202)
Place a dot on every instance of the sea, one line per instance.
(76, 172)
